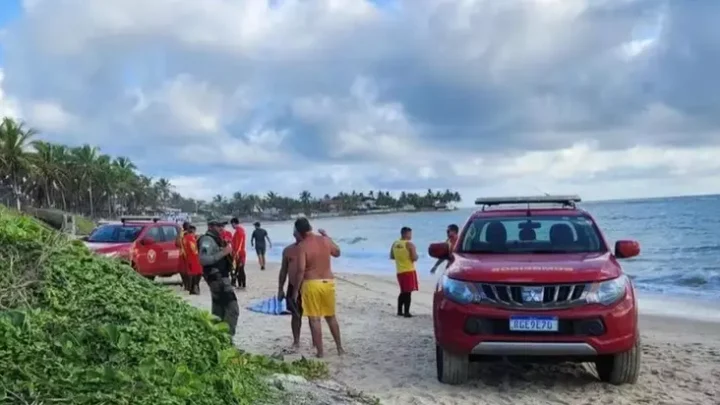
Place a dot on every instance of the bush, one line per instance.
(54, 218)
(76, 328)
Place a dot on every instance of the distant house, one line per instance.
(331, 204)
(367, 203)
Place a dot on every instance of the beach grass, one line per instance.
(78, 328)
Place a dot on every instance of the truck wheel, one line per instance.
(621, 368)
(451, 368)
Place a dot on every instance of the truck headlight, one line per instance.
(461, 292)
(608, 292)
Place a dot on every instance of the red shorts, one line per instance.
(408, 281)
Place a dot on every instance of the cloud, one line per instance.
(8, 106)
(483, 95)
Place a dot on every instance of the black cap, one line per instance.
(216, 222)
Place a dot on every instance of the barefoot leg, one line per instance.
(335, 331)
(316, 332)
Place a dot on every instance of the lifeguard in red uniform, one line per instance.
(192, 260)
(183, 261)
(238, 245)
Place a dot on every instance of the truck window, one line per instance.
(115, 234)
(535, 234)
(170, 233)
(155, 233)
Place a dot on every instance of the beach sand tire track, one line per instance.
(621, 368)
(452, 369)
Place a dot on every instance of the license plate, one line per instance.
(534, 324)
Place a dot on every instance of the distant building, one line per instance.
(331, 204)
(367, 203)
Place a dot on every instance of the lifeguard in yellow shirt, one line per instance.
(404, 253)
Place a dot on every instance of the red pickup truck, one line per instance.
(531, 278)
(146, 243)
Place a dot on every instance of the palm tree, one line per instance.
(49, 162)
(85, 159)
(15, 161)
(271, 199)
(164, 190)
(47, 174)
(305, 198)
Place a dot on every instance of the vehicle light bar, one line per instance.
(139, 219)
(567, 200)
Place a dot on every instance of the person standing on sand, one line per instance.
(227, 236)
(314, 274)
(404, 253)
(216, 259)
(224, 233)
(192, 260)
(238, 243)
(452, 238)
(183, 261)
(257, 240)
(288, 272)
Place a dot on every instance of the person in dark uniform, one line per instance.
(257, 240)
(216, 259)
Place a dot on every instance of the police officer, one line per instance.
(216, 259)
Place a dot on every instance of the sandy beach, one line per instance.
(394, 358)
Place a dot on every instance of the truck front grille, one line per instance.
(553, 295)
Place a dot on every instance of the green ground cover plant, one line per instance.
(76, 328)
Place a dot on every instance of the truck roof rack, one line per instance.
(563, 200)
(139, 219)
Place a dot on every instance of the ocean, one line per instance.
(679, 239)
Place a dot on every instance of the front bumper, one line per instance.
(585, 331)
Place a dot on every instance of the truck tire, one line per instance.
(451, 368)
(621, 368)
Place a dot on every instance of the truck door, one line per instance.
(149, 255)
(154, 251)
(171, 253)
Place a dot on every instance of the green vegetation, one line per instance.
(82, 180)
(80, 329)
(54, 218)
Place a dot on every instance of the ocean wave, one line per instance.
(351, 241)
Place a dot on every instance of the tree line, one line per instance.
(86, 181)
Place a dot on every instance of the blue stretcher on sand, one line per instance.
(270, 306)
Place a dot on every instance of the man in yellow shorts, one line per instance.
(314, 274)
(404, 253)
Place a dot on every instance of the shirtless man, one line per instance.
(288, 272)
(314, 274)
(452, 237)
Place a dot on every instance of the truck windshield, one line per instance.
(115, 234)
(532, 235)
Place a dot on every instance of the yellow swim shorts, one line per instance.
(318, 298)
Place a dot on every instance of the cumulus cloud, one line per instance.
(8, 107)
(482, 95)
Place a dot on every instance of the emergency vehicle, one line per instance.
(146, 243)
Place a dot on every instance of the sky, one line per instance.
(604, 98)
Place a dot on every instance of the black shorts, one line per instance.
(295, 307)
(260, 250)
